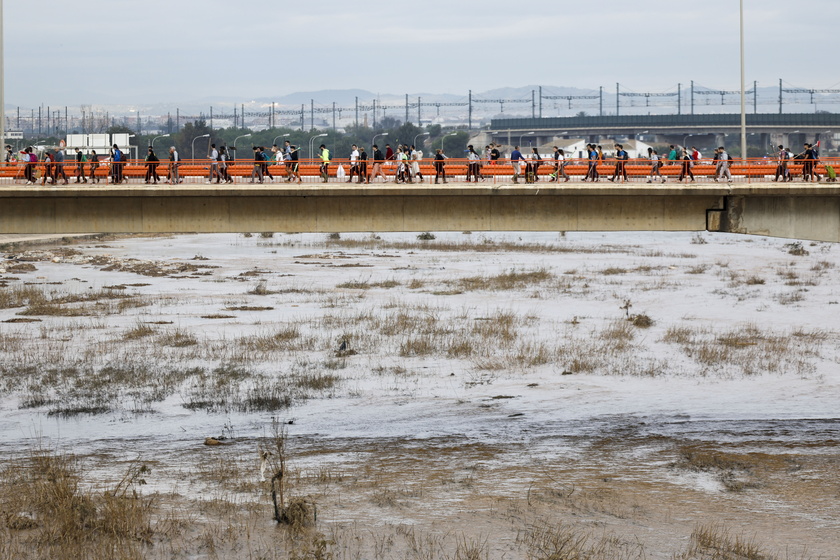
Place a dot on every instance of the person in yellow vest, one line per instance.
(325, 163)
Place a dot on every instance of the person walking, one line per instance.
(472, 163)
(59, 166)
(294, 154)
(324, 154)
(723, 165)
(94, 165)
(49, 168)
(592, 155)
(378, 160)
(257, 170)
(80, 166)
(534, 165)
(416, 158)
(655, 165)
(118, 159)
(152, 162)
(687, 164)
(29, 159)
(440, 166)
(516, 160)
(782, 165)
(354, 163)
(213, 155)
(174, 164)
(621, 158)
(223, 165)
(287, 159)
(363, 171)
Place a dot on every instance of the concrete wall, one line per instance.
(793, 211)
(133, 210)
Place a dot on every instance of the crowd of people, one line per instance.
(403, 164)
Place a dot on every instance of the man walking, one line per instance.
(257, 171)
(440, 166)
(214, 164)
(324, 154)
(354, 168)
(80, 167)
(378, 160)
(59, 166)
(174, 164)
(516, 160)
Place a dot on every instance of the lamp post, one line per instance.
(152, 145)
(418, 136)
(280, 136)
(193, 143)
(237, 138)
(373, 140)
(310, 142)
(526, 134)
(444, 136)
(743, 93)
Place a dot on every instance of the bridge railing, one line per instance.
(753, 170)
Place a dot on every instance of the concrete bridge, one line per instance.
(791, 210)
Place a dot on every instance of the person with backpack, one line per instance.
(152, 162)
(294, 154)
(26, 156)
(416, 158)
(655, 165)
(621, 158)
(687, 163)
(559, 165)
(593, 155)
(80, 166)
(266, 171)
(223, 166)
(94, 165)
(723, 165)
(440, 166)
(59, 166)
(117, 162)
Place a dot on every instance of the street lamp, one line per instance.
(193, 143)
(418, 136)
(281, 136)
(526, 134)
(743, 93)
(310, 142)
(373, 141)
(453, 133)
(152, 145)
(237, 138)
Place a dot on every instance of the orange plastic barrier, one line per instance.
(753, 170)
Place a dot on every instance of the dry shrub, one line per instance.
(641, 321)
(714, 542)
(563, 542)
(43, 494)
(511, 280)
(138, 331)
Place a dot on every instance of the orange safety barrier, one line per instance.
(753, 170)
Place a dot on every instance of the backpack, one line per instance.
(33, 158)
(263, 156)
(84, 158)
(729, 157)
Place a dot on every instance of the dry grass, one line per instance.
(715, 542)
(48, 508)
(510, 280)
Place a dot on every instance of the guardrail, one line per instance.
(755, 170)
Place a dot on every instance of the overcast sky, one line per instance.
(121, 51)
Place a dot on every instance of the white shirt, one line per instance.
(354, 155)
(214, 155)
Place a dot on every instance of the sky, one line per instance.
(124, 52)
